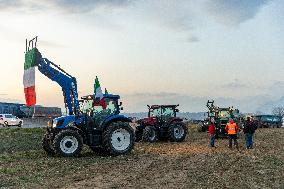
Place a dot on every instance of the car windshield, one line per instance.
(86, 106)
(224, 113)
(155, 112)
(106, 106)
(168, 112)
(9, 116)
(165, 112)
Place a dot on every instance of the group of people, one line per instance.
(232, 130)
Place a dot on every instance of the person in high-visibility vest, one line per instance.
(232, 130)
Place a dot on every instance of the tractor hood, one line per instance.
(63, 121)
(147, 120)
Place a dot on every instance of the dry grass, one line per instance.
(191, 164)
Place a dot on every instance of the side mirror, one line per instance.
(121, 108)
(177, 110)
(120, 103)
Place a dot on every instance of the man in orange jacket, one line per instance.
(232, 130)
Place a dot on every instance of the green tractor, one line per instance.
(221, 117)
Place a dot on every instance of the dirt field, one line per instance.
(161, 165)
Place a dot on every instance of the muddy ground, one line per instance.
(191, 164)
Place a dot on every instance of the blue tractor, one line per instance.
(103, 129)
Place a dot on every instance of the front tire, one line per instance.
(118, 138)
(68, 143)
(177, 132)
(47, 145)
(6, 124)
(20, 124)
(150, 134)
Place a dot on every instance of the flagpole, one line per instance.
(34, 112)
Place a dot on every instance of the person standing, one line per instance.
(249, 130)
(211, 132)
(232, 130)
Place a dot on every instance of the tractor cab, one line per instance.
(101, 109)
(106, 106)
(162, 112)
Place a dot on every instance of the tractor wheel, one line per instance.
(177, 132)
(118, 138)
(149, 134)
(138, 136)
(68, 143)
(47, 145)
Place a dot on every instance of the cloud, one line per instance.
(179, 15)
(276, 89)
(82, 6)
(137, 102)
(67, 6)
(51, 44)
(154, 95)
(6, 4)
(10, 100)
(233, 12)
(193, 39)
(268, 106)
(236, 84)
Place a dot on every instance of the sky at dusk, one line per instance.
(150, 52)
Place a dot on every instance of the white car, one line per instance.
(10, 120)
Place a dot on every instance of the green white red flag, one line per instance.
(29, 77)
(99, 96)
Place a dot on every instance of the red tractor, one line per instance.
(161, 124)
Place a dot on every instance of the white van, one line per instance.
(10, 120)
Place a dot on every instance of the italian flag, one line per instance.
(29, 77)
(99, 96)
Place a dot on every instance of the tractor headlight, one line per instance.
(54, 123)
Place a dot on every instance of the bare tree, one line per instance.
(279, 111)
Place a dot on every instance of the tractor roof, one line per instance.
(162, 106)
(91, 97)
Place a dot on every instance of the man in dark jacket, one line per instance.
(249, 129)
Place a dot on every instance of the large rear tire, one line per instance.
(177, 132)
(150, 134)
(68, 143)
(47, 145)
(118, 138)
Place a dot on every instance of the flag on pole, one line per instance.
(29, 77)
(97, 89)
(99, 96)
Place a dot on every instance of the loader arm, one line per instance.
(67, 82)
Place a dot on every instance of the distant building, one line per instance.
(11, 108)
(20, 110)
